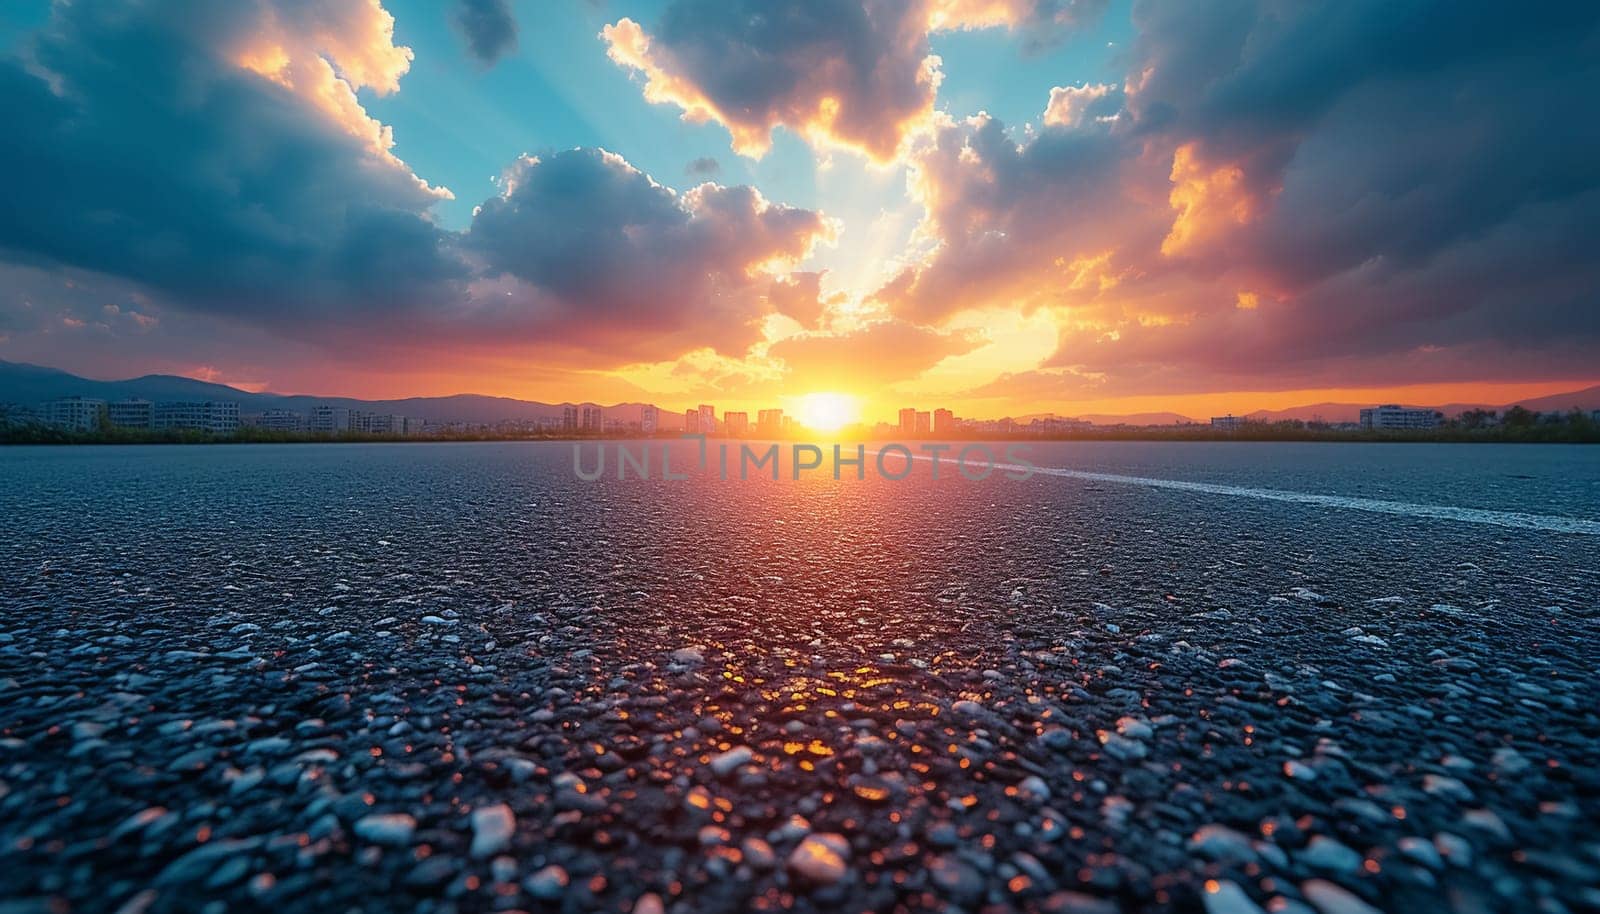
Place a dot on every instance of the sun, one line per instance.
(827, 412)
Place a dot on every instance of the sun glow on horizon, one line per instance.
(827, 412)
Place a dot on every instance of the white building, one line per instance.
(649, 419)
(1228, 423)
(282, 420)
(329, 420)
(219, 417)
(1391, 416)
(131, 414)
(594, 419)
(80, 414)
(380, 424)
(1054, 425)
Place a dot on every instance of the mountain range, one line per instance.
(32, 384)
(1586, 400)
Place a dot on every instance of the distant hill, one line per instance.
(31, 384)
(1586, 400)
(1112, 419)
(1137, 419)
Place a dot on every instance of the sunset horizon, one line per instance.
(1114, 227)
(868, 410)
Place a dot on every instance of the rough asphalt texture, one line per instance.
(468, 683)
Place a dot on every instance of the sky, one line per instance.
(1004, 207)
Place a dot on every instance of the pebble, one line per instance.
(820, 858)
(392, 829)
(956, 878)
(547, 884)
(492, 828)
(1221, 843)
(1329, 898)
(1299, 771)
(758, 853)
(1225, 897)
(1326, 854)
(1453, 848)
(726, 763)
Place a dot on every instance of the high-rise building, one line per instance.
(908, 421)
(649, 419)
(769, 421)
(924, 422)
(1228, 423)
(944, 422)
(708, 419)
(736, 425)
(594, 419)
(131, 414)
(80, 414)
(691, 422)
(569, 418)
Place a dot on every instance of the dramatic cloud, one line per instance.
(235, 171)
(1022, 225)
(238, 176)
(799, 296)
(488, 27)
(1287, 192)
(607, 249)
(855, 74)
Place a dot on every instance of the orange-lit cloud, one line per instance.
(852, 76)
(819, 90)
(1070, 104)
(1207, 201)
(583, 247)
(324, 53)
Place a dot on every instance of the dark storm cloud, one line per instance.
(488, 27)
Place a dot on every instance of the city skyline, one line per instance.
(1021, 208)
(222, 419)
